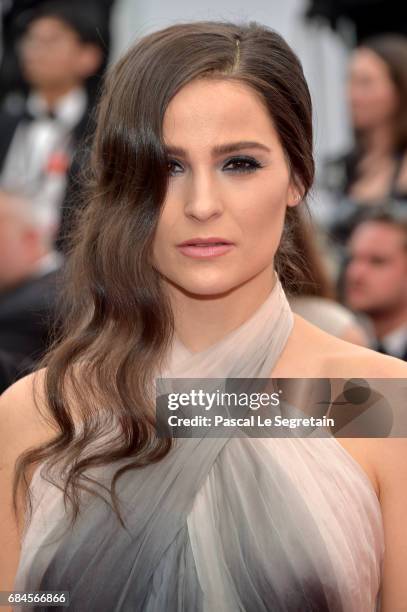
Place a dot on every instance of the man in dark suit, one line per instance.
(375, 280)
(12, 16)
(59, 51)
(29, 271)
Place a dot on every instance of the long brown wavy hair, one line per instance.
(117, 323)
(315, 278)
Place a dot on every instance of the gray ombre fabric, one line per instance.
(220, 524)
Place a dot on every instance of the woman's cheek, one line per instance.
(263, 218)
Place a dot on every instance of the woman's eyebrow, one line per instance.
(229, 147)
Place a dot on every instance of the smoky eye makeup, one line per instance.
(238, 164)
(172, 166)
(242, 164)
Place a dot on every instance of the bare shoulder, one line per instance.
(23, 425)
(24, 416)
(333, 357)
(344, 360)
(313, 353)
(348, 360)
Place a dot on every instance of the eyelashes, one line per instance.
(173, 167)
(235, 165)
(244, 164)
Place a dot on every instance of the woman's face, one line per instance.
(373, 97)
(229, 186)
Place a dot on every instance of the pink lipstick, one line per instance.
(205, 247)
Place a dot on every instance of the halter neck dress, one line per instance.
(234, 524)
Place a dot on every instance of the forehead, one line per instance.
(50, 25)
(377, 238)
(367, 61)
(209, 110)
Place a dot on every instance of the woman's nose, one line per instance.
(202, 200)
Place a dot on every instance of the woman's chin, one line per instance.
(203, 289)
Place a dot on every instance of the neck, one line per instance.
(52, 95)
(201, 321)
(386, 322)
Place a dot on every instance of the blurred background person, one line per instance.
(376, 168)
(315, 297)
(29, 269)
(59, 49)
(375, 280)
(13, 14)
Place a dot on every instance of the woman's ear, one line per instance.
(295, 195)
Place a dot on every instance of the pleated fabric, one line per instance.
(220, 524)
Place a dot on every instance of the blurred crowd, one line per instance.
(53, 55)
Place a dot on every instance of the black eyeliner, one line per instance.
(254, 163)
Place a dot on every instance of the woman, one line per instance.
(376, 170)
(203, 151)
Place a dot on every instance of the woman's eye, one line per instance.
(173, 166)
(242, 164)
(235, 165)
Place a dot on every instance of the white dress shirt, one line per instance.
(40, 153)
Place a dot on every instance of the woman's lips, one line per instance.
(205, 248)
